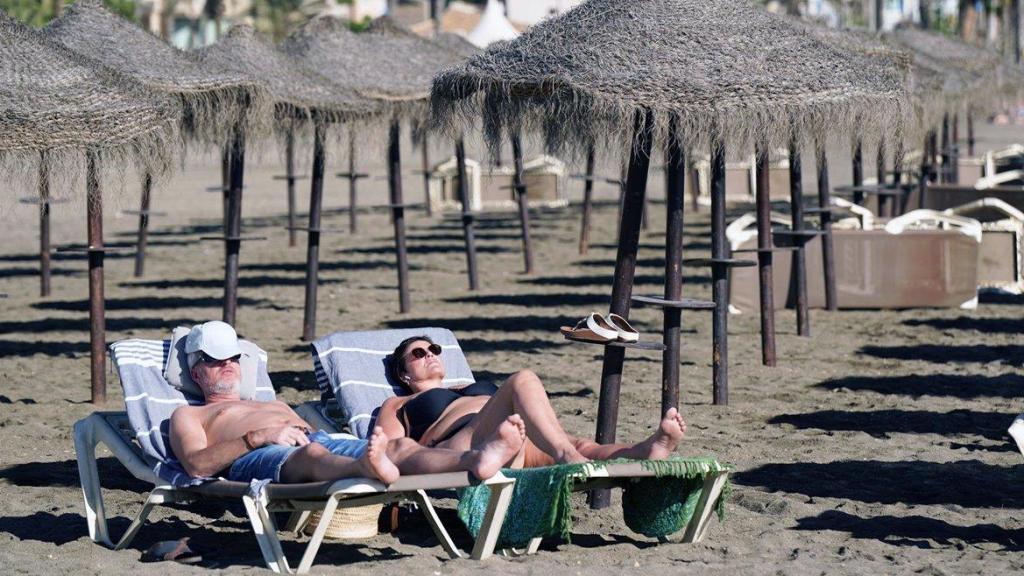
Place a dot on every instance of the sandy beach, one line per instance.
(878, 446)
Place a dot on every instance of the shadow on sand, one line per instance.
(940, 354)
(984, 325)
(881, 423)
(952, 385)
(916, 531)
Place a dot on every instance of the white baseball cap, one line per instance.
(217, 339)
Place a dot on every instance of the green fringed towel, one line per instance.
(542, 505)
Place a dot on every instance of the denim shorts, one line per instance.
(265, 462)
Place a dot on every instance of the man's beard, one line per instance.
(224, 387)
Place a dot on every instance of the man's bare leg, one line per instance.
(496, 451)
(658, 446)
(315, 463)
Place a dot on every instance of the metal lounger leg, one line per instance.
(297, 520)
(266, 535)
(423, 501)
(501, 495)
(85, 452)
(156, 497)
(318, 535)
(698, 526)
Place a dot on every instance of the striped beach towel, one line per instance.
(149, 401)
(351, 367)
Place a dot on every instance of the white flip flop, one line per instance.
(593, 328)
(626, 332)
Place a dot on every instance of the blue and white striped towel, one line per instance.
(150, 400)
(352, 367)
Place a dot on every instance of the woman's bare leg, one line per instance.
(499, 449)
(658, 446)
(523, 394)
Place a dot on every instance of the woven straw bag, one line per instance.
(348, 523)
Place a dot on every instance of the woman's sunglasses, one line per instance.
(420, 353)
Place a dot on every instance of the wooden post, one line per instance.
(467, 213)
(883, 206)
(827, 252)
(945, 149)
(933, 156)
(694, 188)
(426, 174)
(622, 286)
(232, 239)
(970, 134)
(588, 202)
(44, 228)
(796, 189)
(289, 175)
(225, 183)
(765, 256)
(524, 209)
(719, 279)
(143, 236)
(858, 172)
(398, 215)
(316, 197)
(353, 225)
(954, 151)
(97, 302)
(675, 190)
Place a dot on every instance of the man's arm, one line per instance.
(191, 446)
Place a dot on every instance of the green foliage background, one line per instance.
(38, 12)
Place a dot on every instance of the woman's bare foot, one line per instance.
(500, 449)
(375, 462)
(663, 442)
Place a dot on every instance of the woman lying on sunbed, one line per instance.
(458, 418)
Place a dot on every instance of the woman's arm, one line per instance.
(387, 418)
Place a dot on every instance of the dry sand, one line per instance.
(878, 446)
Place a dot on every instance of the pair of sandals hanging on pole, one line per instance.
(598, 328)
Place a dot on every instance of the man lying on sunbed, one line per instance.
(268, 440)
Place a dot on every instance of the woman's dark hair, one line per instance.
(395, 360)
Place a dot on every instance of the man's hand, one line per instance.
(281, 435)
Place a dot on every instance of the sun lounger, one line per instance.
(350, 369)
(911, 262)
(945, 196)
(137, 439)
(1001, 259)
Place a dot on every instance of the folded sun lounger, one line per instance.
(138, 439)
(351, 371)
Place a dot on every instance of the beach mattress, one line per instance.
(874, 269)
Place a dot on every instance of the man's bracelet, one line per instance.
(248, 443)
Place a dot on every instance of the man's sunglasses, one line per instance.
(419, 353)
(207, 359)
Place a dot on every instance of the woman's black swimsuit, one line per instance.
(421, 412)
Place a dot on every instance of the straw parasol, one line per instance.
(393, 66)
(302, 97)
(56, 108)
(696, 72)
(215, 102)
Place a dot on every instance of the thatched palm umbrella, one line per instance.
(697, 72)
(392, 66)
(55, 102)
(215, 102)
(300, 96)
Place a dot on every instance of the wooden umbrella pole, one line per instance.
(954, 151)
(944, 153)
(675, 190)
(97, 303)
(719, 280)
(796, 192)
(825, 218)
(316, 197)
(880, 164)
(233, 240)
(622, 286)
(588, 202)
(933, 156)
(523, 199)
(970, 134)
(858, 172)
(765, 256)
(44, 228)
(353, 178)
(289, 174)
(426, 174)
(143, 236)
(467, 214)
(694, 187)
(398, 215)
(225, 183)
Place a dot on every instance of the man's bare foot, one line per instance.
(663, 442)
(500, 449)
(375, 462)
